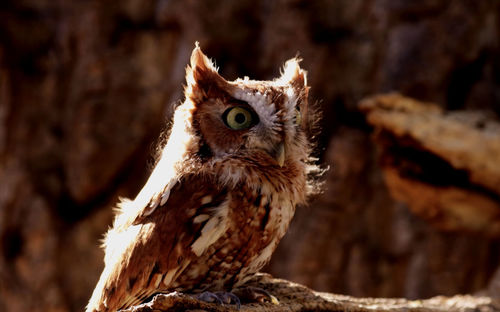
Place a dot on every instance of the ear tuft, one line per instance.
(200, 61)
(293, 74)
(200, 75)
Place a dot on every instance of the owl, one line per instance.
(222, 194)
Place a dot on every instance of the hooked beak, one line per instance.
(279, 154)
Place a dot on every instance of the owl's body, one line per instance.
(222, 194)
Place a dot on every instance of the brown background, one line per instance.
(87, 86)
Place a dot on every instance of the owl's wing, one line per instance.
(157, 199)
(148, 255)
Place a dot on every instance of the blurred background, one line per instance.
(86, 88)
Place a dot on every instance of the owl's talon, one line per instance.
(256, 294)
(229, 298)
(209, 297)
(219, 297)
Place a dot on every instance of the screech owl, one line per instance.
(222, 194)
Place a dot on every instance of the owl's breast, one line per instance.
(254, 224)
(274, 216)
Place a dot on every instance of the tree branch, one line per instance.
(295, 297)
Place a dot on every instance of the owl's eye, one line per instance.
(298, 117)
(238, 118)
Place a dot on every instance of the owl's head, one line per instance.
(245, 123)
(260, 120)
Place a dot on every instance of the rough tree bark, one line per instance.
(87, 86)
(297, 298)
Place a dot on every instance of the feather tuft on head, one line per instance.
(201, 74)
(293, 74)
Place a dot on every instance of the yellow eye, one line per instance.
(298, 117)
(238, 118)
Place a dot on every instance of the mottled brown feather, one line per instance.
(164, 238)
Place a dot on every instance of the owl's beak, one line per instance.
(280, 154)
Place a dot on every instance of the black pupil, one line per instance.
(240, 118)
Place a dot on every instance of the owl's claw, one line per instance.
(219, 297)
(209, 297)
(256, 294)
